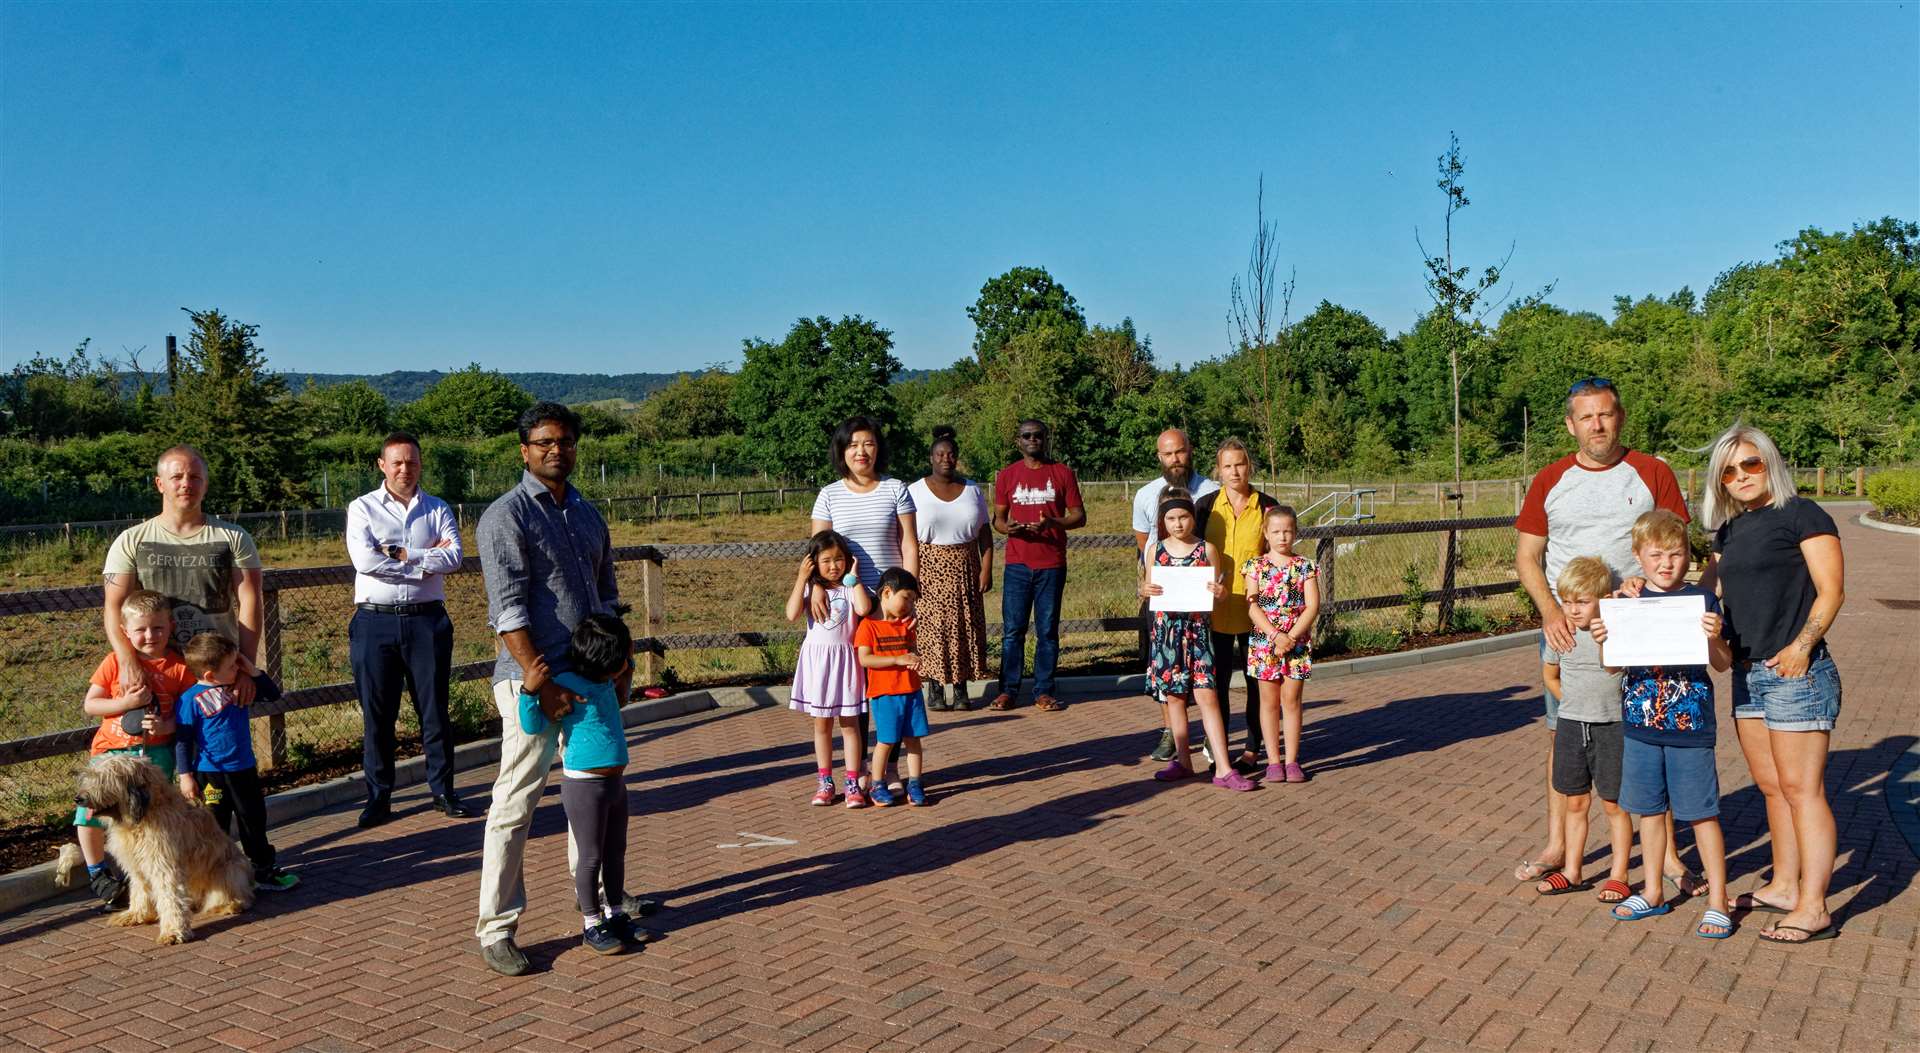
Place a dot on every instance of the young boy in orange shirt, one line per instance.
(888, 652)
(140, 723)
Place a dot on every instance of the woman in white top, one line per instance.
(956, 571)
(872, 511)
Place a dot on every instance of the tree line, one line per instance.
(1817, 345)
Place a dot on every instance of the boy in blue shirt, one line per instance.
(214, 743)
(1667, 761)
(593, 787)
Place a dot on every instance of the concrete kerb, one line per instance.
(1866, 519)
(35, 884)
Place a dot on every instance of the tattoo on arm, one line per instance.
(1812, 633)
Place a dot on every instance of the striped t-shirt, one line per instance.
(870, 522)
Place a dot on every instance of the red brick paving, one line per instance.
(1054, 898)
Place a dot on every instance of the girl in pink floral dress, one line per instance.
(1283, 594)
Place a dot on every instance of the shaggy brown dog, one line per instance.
(178, 860)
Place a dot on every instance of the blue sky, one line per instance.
(617, 188)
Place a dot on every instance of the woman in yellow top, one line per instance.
(1230, 521)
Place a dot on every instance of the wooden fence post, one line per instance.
(270, 735)
(740, 502)
(653, 606)
(283, 524)
(1324, 555)
(1820, 482)
(697, 495)
(1449, 555)
(1393, 492)
(1860, 482)
(655, 514)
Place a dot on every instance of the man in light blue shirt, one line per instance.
(402, 542)
(1176, 469)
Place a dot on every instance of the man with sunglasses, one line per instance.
(1584, 504)
(1036, 500)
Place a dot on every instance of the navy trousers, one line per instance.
(392, 651)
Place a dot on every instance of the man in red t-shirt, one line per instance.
(1036, 500)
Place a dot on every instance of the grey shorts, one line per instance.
(1586, 758)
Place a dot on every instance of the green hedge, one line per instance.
(1896, 492)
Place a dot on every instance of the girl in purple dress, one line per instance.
(827, 682)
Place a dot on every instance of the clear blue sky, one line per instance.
(615, 188)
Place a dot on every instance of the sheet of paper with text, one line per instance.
(1654, 630)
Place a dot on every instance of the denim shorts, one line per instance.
(1552, 700)
(1802, 703)
(898, 717)
(1679, 779)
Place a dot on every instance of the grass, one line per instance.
(45, 659)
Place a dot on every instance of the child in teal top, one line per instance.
(593, 789)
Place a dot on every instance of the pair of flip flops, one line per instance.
(1637, 907)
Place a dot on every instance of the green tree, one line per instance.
(791, 395)
(238, 414)
(1021, 300)
(351, 408)
(471, 403)
(599, 421)
(50, 398)
(692, 406)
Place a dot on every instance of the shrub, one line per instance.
(1896, 492)
(1414, 592)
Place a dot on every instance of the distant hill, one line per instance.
(406, 385)
(402, 386)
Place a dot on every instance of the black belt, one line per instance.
(404, 610)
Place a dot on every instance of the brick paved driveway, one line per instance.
(1054, 897)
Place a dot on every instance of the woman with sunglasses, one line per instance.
(1777, 558)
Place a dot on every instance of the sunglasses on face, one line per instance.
(548, 444)
(1033, 434)
(1590, 384)
(1745, 466)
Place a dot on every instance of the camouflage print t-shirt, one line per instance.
(199, 572)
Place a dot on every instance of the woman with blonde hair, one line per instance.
(1777, 558)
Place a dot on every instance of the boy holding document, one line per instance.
(1667, 760)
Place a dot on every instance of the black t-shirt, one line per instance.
(1764, 580)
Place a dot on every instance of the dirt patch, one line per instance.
(1895, 518)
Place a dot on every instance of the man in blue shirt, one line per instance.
(548, 562)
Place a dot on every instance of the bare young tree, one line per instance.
(1464, 300)
(1257, 332)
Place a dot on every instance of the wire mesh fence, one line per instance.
(720, 619)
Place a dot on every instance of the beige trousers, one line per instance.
(525, 761)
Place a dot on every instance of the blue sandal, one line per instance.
(1637, 907)
(1717, 919)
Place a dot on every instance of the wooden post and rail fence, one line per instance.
(652, 644)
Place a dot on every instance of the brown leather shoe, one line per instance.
(1048, 704)
(1001, 701)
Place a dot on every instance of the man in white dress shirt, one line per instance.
(402, 542)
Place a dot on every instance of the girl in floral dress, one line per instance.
(1180, 663)
(1283, 594)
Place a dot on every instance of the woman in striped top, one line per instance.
(872, 510)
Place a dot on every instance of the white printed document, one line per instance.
(1654, 630)
(1182, 588)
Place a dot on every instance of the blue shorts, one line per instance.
(1678, 779)
(1803, 703)
(898, 717)
(1553, 701)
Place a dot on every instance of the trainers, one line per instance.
(601, 939)
(1164, 751)
(915, 795)
(824, 795)
(623, 927)
(639, 906)
(882, 797)
(503, 957)
(111, 888)
(855, 797)
(273, 879)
